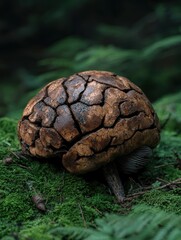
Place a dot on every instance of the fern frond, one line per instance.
(155, 225)
(71, 233)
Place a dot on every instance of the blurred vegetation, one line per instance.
(42, 42)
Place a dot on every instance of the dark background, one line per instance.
(44, 40)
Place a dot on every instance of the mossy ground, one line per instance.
(72, 200)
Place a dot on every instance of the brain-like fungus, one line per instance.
(90, 120)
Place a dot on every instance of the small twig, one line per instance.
(25, 167)
(82, 214)
(15, 154)
(98, 210)
(135, 195)
(163, 165)
(19, 154)
(177, 181)
(161, 180)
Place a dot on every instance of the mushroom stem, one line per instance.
(112, 177)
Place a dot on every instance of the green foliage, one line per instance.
(75, 202)
(139, 64)
(169, 111)
(59, 38)
(60, 61)
(167, 201)
(151, 224)
(165, 162)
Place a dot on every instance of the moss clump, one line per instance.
(163, 166)
(167, 201)
(72, 200)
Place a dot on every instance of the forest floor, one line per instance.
(75, 203)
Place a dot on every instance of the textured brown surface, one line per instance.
(88, 120)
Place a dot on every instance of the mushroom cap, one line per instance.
(88, 120)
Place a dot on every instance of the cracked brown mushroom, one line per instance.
(90, 120)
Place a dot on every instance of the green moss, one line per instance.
(70, 200)
(167, 201)
(164, 163)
